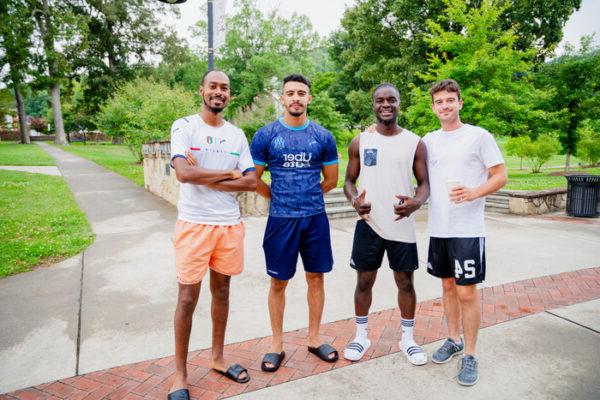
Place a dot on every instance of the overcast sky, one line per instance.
(326, 14)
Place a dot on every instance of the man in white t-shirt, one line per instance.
(384, 161)
(465, 165)
(212, 161)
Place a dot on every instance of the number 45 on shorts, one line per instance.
(466, 271)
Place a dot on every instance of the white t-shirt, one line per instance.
(224, 148)
(463, 155)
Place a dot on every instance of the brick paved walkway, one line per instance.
(151, 379)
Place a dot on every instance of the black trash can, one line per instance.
(582, 195)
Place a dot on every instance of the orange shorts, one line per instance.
(198, 247)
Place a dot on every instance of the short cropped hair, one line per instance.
(384, 85)
(208, 72)
(296, 78)
(448, 85)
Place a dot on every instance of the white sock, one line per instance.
(362, 324)
(407, 330)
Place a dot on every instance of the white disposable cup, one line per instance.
(451, 184)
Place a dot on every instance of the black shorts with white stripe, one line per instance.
(461, 258)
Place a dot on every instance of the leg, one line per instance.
(316, 300)
(363, 294)
(451, 308)
(276, 310)
(471, 312)
(219, 289)
(186, 304)
(407, 298)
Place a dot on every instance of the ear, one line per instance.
(281, 100)
(309, 99)
(460, 104)
(201, 91)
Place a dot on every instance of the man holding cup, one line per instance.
(465, 165)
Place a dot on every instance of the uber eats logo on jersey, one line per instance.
(299, 160)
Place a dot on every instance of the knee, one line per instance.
(221, 294)
(314, 280)
(186, 303)
(364, 285)
(448, 285)
(468, 294)
(278, 286)
(406, 286)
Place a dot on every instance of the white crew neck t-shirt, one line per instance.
(464, 155)
(224, 148)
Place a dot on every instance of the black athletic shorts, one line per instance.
(368, 248)
(461, 258)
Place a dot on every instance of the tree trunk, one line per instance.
(568, 161)
(23, 127)
(59, 128)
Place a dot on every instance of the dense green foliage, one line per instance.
(144, 110)
(498, 93)
(40, 222)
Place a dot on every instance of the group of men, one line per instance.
(454, 167)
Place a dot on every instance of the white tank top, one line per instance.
(386, 169)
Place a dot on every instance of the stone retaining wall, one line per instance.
(159, 178)
(533, 202)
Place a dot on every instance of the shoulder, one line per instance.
(412, 135)
(430, 136)
(319, 130)
(183, 123)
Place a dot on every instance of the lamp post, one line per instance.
(211, 50)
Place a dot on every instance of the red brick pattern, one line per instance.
(151, 379)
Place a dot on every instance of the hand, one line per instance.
(362, 208)
(405, 206)
(371, 128)
(190, 158)
(461, 194)
(236, 174)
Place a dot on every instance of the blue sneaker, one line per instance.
(448, 350)
(467, 371)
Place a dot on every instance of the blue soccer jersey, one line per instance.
(295, 156)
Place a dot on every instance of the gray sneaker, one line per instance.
(448, 350)
(467, 371)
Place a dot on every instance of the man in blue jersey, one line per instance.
(296, 151)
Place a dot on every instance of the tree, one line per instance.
(589, 144)
(385, 40)
(260, 49)
(143, 110)
(517, 146)
(493, 74)
(575, 81)
(55, 23)
(116, 38)
(541, 150)
(15, 40)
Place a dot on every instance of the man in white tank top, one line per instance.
(465, 165)
(384, 160)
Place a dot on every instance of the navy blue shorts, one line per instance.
(286, 237)
(460, 258)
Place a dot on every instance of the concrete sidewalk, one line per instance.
(113, 305)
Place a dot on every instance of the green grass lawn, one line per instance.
(116, 158)
(12, 153)
(40, 223)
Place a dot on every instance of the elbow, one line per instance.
(182, 177)
(252, 185)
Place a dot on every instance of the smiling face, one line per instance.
(446, 106)
(215, 91)
(386, 102)
(296, 98)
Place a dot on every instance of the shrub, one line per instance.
(588, 148)
(541, 150)
(142, 111)
(260, 113)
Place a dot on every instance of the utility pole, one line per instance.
(211, 50)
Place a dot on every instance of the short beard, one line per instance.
(214, 110)
(387, 122)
